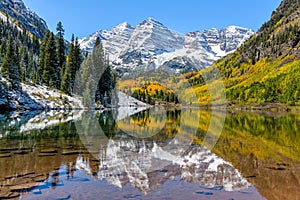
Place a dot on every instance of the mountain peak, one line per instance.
(150, 21)
(123, 26)
(233, 28)
(150, 42)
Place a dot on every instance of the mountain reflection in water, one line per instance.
(36, 161)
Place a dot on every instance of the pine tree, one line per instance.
(60, 42)
(22, 43)
(10, 68)
(105, 77)
(97, 79)
(101, 72)
(7, 62)
(66, 80)
(31, 66)
(51, 73)
(17, 52)
(24, 62)
(87, 86)
(76, 61)
(73, 65)
(2, 49)
(40, 71)
(36, 45)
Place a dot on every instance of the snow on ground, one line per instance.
(51, 99)
(129, 106)
(128, 101)
(35, 97)
(59, 107)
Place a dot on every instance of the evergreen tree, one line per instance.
(73, 65)
(2, 49)
(97, 42)
(31, 65)
(51, 73)
(17, 51)
(41, 65)
(35, 45)
(10, 68)
(24, 62)
(88, 82)
(92, 69)
(66, 80)
(61, 48)
(104, 74)
(77, 60)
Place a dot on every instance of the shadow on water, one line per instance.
(151, 151)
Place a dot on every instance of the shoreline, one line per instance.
(270, 107)
(230, 106)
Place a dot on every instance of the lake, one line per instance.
(157, 153)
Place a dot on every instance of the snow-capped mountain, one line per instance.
(153, 36)
(16, 11)
(152, 46)
(225, 41)
(147, 166)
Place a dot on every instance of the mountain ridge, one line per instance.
(150, 42)
(23, 17)
(265, 69)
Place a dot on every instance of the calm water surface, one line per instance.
(152, 154)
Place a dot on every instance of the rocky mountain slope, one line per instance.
(16, 12)
(151, 45)
(266, 67)
(25, 25)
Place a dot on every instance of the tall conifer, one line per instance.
(60, 42)
(10, 69)
(51, 73)
(41, 65)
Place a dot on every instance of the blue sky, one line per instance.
(85, 17)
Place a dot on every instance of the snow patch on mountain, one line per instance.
(27, 19)
(151, 35)
(152, 46)
(227, 40)
(51, 99)
(34, 97)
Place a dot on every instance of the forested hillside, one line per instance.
(35, 63)
(18, 51)
(266, 68)
(25, 58)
